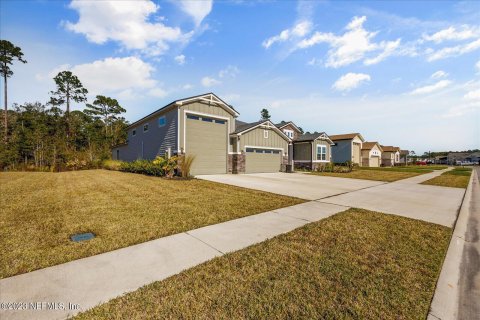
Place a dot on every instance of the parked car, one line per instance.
(421, 163)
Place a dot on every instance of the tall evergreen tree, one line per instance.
(8, 53)
(265, 115)
(69, 88)
(107, 109)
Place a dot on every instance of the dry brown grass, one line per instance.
(40, 211)
(354, 265)
(456, 178)
(376, 175)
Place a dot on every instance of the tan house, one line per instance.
(290, 129)
(311, 150)
(371, 154)
(390, 156)
(205, 127)
(347, 147)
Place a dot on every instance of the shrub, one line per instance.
(185, 163)
(112, 165)
(143, 167)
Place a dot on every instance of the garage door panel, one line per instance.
(207, 141)
(259, 160)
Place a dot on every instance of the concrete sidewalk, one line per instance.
(457, 294)
(82, 284)
(408, 198)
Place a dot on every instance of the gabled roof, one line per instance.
(286, 123)
(346, 136)
(370, 145)
(314, 136)
(404, 152)
(243, 127)
(390, 149)
(207, 97)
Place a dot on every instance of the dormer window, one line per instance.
(265, 134)
(288, 133)
(145, 127)
(134, 132)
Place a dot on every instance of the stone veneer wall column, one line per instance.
(236, 163)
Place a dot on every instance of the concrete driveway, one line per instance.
(304, 186)
(405, 197)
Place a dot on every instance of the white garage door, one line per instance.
(206, 139)
(374, 162)
(262, 160)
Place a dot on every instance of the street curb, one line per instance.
(444, 303)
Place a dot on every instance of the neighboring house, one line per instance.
(258, 147)
(371, 154)
(404, 157)
(390, 156)
(473, 157)
(290, 129)
(312, 150)
(347, 147)
(205, 127)
(441, 160)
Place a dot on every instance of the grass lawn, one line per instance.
(456, 178)
(40, 211)
(357, 265)
(377, 175)
(398, 169)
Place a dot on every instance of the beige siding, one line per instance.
(256, 138)
(302, 151)
(321, 143)
(356, 152)
(207, 143)
(204, 108)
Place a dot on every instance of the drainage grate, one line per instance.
(82, 237)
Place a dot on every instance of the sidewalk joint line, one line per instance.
(223, 253)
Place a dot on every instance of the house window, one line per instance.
(145, 127)
(193, 117)
(134, 132)
(321, 152)
(265, 134)
(288, 133)
(162, 121)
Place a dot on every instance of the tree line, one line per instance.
(50, 136)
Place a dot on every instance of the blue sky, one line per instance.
(401, 73)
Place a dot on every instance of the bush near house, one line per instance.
(159, 167)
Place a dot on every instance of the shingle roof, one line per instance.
(241, 126)
(346, 136)
(370, 145)
(174, 102)
(390, 148)
(309, 136)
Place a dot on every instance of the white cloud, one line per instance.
(352, 46)
(477, 65)
(126, 22)
(431, 88)
(473, 95)
(453, 34)
(126, 78)
(158, 92)
(198, 10)
(301, 29)
(350, 81)
(439, 74)
(229, 72)
(389, 48)
(180, 59)
(209, 82)
(453, 51)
